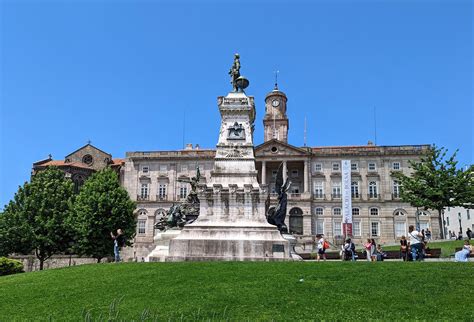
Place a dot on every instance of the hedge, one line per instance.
(10, 266)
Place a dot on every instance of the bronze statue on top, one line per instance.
(278, 215)
(239, 83)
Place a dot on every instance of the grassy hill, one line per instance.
(243, 290)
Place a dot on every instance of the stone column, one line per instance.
(306, 176)
(264, 172)
(285, 171)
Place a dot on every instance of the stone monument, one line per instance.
(232, 224)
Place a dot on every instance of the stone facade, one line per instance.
(314, 202)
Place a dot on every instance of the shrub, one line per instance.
(10, 266)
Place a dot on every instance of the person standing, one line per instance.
(373, 250)
(119, 242)
(428, 234)
(415, 243)
(404, 248)
(469, 233)
(321, 247)
(368, 249)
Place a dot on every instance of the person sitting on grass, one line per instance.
(463, 254)
(380, 254)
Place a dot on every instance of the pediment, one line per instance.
(278, 148)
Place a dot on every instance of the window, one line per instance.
(447, 221)
(399, 213)
(162, 191)
(468, 215)
(319, 211)
(294, 173)
(296, 221)
(374, 229)
(274, 173)
(87, 159)
(145, 169)
(355, 189)
(424, 225)
(355, 211)
(373, 189)
(318, 167)
(336, 166)
(144, 191)
(396, 189)
(183, 192)
(374, 211)
(337, 228)
(356, 228)
(336, 211)
(318, 190)
(272, 188)
(294, 189)
(141, 226)
(372, 166)
(336, 189)
(354, 167)
(163, 168)
(320, 226)
(396, 166)
(400, 229)
(184, 168)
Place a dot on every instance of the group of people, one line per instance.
(452, 235)
(415, 247)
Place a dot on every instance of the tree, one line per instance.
(436, 183)
(101, 207)
(35, 219)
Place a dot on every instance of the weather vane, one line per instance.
(276, 79)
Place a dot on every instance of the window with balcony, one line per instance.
(337, 228)
(318, 190)
(144, 191)
(355, 189)
(373, 192)
(336, 189)
(162, 191)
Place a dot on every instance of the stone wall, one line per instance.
(31, 263)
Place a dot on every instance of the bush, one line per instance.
(10, 266)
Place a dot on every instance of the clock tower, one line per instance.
(275, 122)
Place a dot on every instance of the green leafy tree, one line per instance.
(35, 219)
(102, 207)
(436, 183)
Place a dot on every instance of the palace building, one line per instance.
(154, 180)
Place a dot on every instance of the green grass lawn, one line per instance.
(244, 290)
(447, 247)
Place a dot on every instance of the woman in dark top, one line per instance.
(403, 248)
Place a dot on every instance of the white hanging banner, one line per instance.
(346, 197)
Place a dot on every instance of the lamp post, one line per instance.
(460, 227)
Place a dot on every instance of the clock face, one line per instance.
(275, 103)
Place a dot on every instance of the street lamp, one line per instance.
(460, 227)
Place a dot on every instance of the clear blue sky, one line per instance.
(124, 73)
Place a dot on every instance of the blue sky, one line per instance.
(128, 74)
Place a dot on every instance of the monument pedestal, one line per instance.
(232, 224)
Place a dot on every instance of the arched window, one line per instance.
(78, 182)
(400, 224)
(373, 193)
(399, 213)
(296, 221)
(318, 211)
(374, 211)
(355, 211)
(141, 222)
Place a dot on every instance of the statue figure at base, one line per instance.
(277, 217)
(184, 213)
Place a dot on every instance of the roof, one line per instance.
(61, 163)
(88, 144)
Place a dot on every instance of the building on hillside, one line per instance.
(315, 197)
(80, 164)
(458, 220)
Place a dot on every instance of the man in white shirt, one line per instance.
(415, 243)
